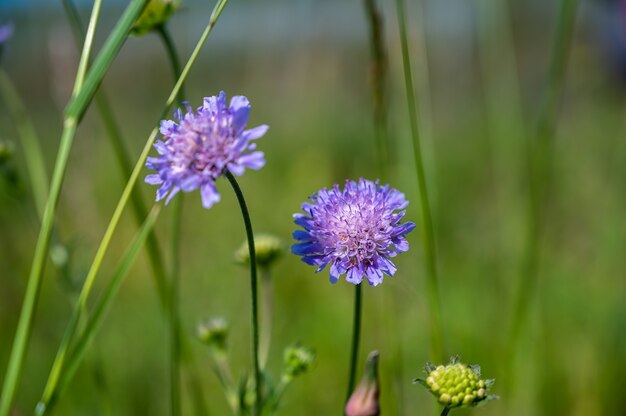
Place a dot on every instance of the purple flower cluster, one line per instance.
(6, 31)
(355, 230)
(202, 145)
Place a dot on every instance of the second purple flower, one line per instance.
(201, 145)
(355, 230)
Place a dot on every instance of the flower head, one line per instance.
(268, 249)
(202, 145)
(298, 359)
(355, 230)
(213, 332)
(456, 384)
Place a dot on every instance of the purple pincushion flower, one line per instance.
(6, 31)
(355, 230)
(204, 144)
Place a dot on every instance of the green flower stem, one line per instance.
(24, 326)
(30, 143)
(174, 318)
(104, 244)
(428, 234)
(356, 335)
(100, 310)
(540, 159)
(445, 411)
(175, 348)
(278, 393)
(266, 315)
(253, 290)
(220, 366)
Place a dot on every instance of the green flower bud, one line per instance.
(460, 384)
(268, 249)
(154, 15)
(213, 333)
(298, 360)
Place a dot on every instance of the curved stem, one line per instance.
(253, 289)
(428, 233)
(356, 335)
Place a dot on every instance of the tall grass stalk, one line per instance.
(540, 159)
(428, 234)
(253, 291)
(101, 307)
(79, 309)
(124, 162)
(24, 327)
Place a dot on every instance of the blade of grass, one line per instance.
(428, 233)
(104, 244)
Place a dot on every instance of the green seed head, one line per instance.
(268, 249)
(456, 384)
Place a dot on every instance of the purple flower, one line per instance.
(204, 144)
(6, 31)
(355, 230)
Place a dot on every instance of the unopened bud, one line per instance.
(213, 333)
(298, 360)
(268, 249)
(154, 15)
(364, 401)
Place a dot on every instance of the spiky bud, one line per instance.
(214, 333)
(456, 384)
(364, 400)
(298, 359)
(268, 249)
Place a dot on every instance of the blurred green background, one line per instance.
(480, 68)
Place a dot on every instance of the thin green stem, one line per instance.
(253, 290)
(175, 353)
(114, 134)
(445, 411)
(540, 160)
(172, 55)
(100, 310)
(104, 244)
(220, 366)
(356, 335)
(30, 143)
(266, 315)
(24, 326)
(428, 234)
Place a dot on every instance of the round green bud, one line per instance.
(298, 360)
(156, 13)
(213, 332)
(268, 249)
(445, 398)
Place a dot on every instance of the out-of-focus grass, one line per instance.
(312, 90)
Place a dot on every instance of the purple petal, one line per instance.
(254, 160)
(240, 107)
(255, 133)
(154, 179)
(209, 195)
